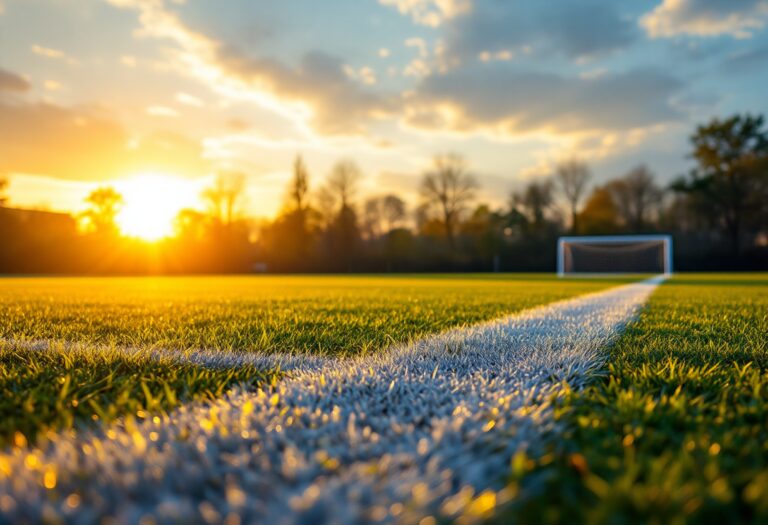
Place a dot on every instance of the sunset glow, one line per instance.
(151, 203)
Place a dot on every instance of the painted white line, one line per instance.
(421, 430)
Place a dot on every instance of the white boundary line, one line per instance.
(420, 430)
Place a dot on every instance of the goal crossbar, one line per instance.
(597, 241)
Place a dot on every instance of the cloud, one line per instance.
(11, 82)
(573, 29)
(189, 100)
(706, 18)
(47, 52)
(321, 82)
(510, 102)
(495, 28)
(750, 61)
(81, 143)
(430, 12)
(161, 111)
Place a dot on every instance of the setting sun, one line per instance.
(151, 203)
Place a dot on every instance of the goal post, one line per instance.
(614, 254)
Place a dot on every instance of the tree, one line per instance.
(600, 215)
(533, 202)
(3, 187)
(572, 177)
(336, 197)
(298, 189)
(105, 203)
(342, 182)
(394, 210)
(450, 188)
(730, 180)
(634, 195)
(382, 214)
(225, 196)
(296, 220)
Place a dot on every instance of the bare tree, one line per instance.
(394, 210)
(298, 188)
(572, 177)
(382, 213)
(372, 218)
(336, 200)
(342, 182)
(534, 201)
(634, 195)
(450, 188)
(225, 196)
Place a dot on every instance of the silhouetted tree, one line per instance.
(572, 177)
(730, 181)
(3, 188)
(449, 187)
(382, 214)
(191, 224)
(634, 196)
(225, 196)
(297, 236)
(342, 232)
(599, 216)
(298, 189)
(533, 202)
(105, 203)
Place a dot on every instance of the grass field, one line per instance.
(677, 429)
(322, 315)
(674, 429)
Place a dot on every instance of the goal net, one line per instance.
(614, 254)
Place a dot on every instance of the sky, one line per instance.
(114, 92)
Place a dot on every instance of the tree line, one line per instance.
(718, 214)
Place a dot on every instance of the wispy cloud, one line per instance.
(162, 111)
(430, 12)
(47, 52)
(11, 82)
(706, 18)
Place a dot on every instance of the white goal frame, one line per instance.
(666, 241)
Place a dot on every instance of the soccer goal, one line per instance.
(614, 254)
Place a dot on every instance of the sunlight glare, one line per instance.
(152, 202)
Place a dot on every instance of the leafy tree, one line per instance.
(105, 203)
(600, 214)
(450, 188)
(572, 177)
(730, 181)
(3, 187)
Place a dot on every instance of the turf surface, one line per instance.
(54, 390)
(324, 314)
(58, 387)
(677, 429)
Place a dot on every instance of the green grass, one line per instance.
(58, 388)
(320, 314)
(677, 429)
